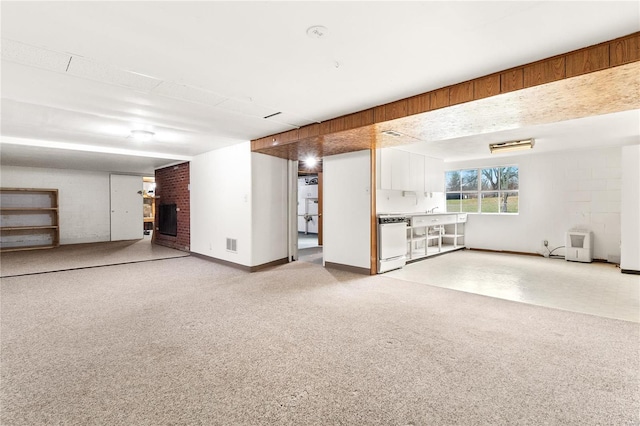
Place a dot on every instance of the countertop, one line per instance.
(415, 214)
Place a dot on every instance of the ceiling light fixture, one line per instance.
(310, 162)
(511, 146)
(142, 135)
(392, 133)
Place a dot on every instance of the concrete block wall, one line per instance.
(83, 196)
(592, 193)
(558, 191)
(173, 186)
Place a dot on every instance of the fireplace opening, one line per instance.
(168, 220)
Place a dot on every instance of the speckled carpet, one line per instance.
(189, 342)
(75, 256)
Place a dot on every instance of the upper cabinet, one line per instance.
(416, 168)
(434, 175)
(406, 171)
(401, 170)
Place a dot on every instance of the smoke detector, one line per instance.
(317, 31)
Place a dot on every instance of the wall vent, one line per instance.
(232, 245)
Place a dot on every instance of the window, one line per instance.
(489, 190)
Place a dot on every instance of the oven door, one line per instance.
(392, 246)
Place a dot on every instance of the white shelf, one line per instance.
(423, 242)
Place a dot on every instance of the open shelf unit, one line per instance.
(28, 219)
(435, 234)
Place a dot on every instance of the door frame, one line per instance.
(292, 209)
(117, 201)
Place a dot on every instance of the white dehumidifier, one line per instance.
(579, 246)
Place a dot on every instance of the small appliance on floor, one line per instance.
(579, 246)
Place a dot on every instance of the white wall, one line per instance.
(558, 191)
(221, 203)
(630, 205)
(347, 209)
(268, 208)
(388, 201)
(84, 211)
(241, 195)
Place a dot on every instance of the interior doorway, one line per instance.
(309, 212)
(149, 206)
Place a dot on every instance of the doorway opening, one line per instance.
(309, 214)
(149, 206)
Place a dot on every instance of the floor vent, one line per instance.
(232, 245)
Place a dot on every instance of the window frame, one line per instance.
(479, 192)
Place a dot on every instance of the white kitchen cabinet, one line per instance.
(416, 169)
(433, 234)
(453, 236)
(384, 167)
(433, 175)
(401, 170)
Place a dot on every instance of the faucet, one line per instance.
(432, 210)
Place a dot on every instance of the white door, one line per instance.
(126, 207)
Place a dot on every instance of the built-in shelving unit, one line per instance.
(28, 219)
(429, 235)
(148, 212)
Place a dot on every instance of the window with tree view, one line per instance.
(488, 190)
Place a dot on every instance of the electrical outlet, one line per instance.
(546, 243)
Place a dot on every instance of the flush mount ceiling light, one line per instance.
(511, 146)
(392, 133)
(317, 31)
(142, 135)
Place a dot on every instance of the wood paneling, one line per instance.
(623, 51)
(258, 144)
(439, 98)
(395, 110)
(486, 86)
(603, 92)
(325, 127)
(418, 104)
(359, 119)
(358, 130)
(336, 125)
(280, 139)
(544, 72)
(308, 131)
(290, 136)
(460, 93)
(512, 80)
(373, 223)
(320, 205)
(587, 60)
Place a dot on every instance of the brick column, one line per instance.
(172, 187)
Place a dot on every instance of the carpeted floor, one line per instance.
(75, 256)
(186, 341)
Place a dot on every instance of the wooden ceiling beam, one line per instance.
(595, 80)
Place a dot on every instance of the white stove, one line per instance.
(392, 241)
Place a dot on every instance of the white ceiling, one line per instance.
(202, 75)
